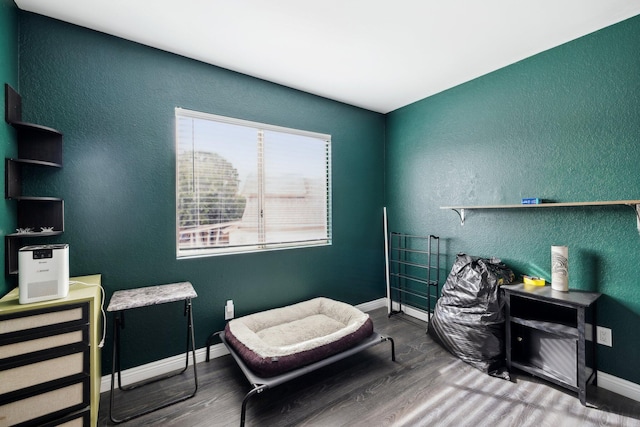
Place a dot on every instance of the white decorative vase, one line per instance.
(560, 268)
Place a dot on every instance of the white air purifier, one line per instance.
(43, 273)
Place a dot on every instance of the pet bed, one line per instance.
(278, 345)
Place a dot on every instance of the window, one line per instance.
(245, 186)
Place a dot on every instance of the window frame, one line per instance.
(259, 247)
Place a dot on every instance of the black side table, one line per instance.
(545, 334)
(143, 297)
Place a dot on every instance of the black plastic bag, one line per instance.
(468, 319)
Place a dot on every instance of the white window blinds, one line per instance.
(245, 186)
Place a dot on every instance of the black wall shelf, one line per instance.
(14, 172)
(38, 146)
(40, 212)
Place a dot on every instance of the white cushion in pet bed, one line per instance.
(278, 340)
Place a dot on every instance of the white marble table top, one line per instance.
(150, 295)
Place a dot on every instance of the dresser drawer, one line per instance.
(40, 374)
(46, 405)
(42, 321)
(32, 346)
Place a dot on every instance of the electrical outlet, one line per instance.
(603, 335)
(228, 310)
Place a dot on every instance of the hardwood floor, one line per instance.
(426, 386)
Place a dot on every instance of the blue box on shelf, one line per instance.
(531, 201)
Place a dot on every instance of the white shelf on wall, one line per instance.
(635, 204)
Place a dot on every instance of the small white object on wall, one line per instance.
(229, 310)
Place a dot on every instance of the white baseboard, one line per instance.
(372, 305)
(409, 311)
(160, 367)
(618, 385)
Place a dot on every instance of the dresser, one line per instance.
(50, 357)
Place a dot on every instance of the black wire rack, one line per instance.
(413, 273)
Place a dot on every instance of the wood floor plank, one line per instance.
(426, 386)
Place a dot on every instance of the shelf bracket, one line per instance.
(637, 209)
(460, 213)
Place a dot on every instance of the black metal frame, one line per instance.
(261, 384)
(414, 263)
(118, 324)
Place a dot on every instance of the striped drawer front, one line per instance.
(50, 403)
(39, 344)
(47, 319)
(42, 372)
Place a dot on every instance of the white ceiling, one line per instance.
(375, 54)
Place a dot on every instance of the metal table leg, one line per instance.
(118, 324)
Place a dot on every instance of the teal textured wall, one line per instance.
(8, 147)
(114, 102)
(563, 125)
